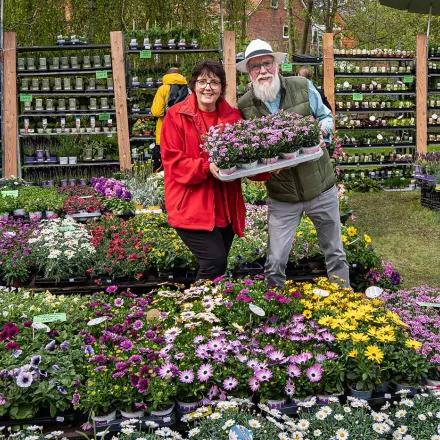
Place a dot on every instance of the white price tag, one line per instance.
(321, 292)
(97, 321)
(387, 396)
(60, 419)
(257, 310)
(373, 292)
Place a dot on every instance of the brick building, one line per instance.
(267, 19)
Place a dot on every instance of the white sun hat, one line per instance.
(256, 48)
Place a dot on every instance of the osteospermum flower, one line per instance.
(166, 371)
(230, 383)
(293, 371)
(254, 384)
(314, 373)
(263, 375)
(374, 353)
(290, 388)
(205, 372)
(186, 376)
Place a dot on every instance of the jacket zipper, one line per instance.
(181, 200)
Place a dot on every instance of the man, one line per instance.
(160, 104)
(307, 73)
(307, 188)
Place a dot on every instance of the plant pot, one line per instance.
(19, 212)
(163, 413)
(105, 419)
(51, 215)
(227, 171)
(382, 388)
(297, 400)
(132, 414)
(51, 182)
(412, 391)
(83, 182)
(186, 407)
(37, 215)
(137, 133)
(88, 154)
(63, 182)
(248, 165)
(64, 160)
(29, 159)
(97, 129)
(326, 399)
(72, 160)
(292, 155)
(433, 383)
(269, 161)
(365, 395)
(310, 150)
(100, 155)
(72, 182)
(276, 404)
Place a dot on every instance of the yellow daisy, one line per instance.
(367, 239)
(342, 336)
(307, 314)
(374, 353)
(351, 231)
(412, 343)
(359, 337)
(353, 353)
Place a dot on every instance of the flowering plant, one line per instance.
(63, 249)
(77, 190)
(111, 188)
(76, 204)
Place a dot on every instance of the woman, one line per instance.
(205, 212)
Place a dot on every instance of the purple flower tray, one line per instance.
(262, 168)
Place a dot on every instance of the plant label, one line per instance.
(321, 292)
(104, 116)
(408, 79)
(257, 310)
(101, 74)
(12, 193)
(373, 292)
(358, 97)
(428, 304)
(145, 54)
(40, 326)
(65, 228)
(239, 432)
(25, 97)
(51, 317)
(387, 396)
(286, 67)
(60, 419)
(97, 321)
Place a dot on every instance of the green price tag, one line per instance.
(12, 193)
(101, 74)
(145, 54)
(286, 67)
(66, 228)
(358, 97)
(104, 116)
(408, 79)
(428, 304)
(25, 98)
(51, 317)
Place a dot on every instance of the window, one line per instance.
(285, 31)
(274, 4)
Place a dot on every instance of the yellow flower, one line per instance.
(342, 336)
(307, 314)
(367, 239)
(325, 320)
(313, 231)
(385, 338)
(351, 231)
(411, 343)
(359, 337)
(374, 353)
(353, 353)
(299, 233)
(345, 239)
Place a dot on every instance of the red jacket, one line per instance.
(189, 185)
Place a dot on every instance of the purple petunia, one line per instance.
(65, 345)
(50, 346)
(24, 379)
(35, 361)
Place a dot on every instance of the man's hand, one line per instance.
(322, 144)
(214, 170)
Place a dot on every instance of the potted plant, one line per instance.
(78, 205)
(34, 205)
(29, 153)
(138, 127)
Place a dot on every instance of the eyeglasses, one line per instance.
(255, 68)
(213, 84)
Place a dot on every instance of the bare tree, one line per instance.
(306, 29)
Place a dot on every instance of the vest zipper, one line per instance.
(181, 200)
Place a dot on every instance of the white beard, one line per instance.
(266, 92)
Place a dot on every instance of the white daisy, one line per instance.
(402, 429)
(397, 435)
(254, 423)
(193, 432)
(317, 432)
(303, 425)
(339, 417)
(400, 413)
(215, 416)
(283, 436)
(421, 417)
(341, 434)
(321, 415)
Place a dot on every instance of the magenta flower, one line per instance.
(143, 385)
(137, 325)
(75, 399)
(290, 388)
(186, 376)
(205, 372)
(314, 373)
(166, 371)
(254, 384)
(230, 383)
(126, 345)
(328, 337)
(119, 302)
(277, 357)
(293, 371)
(263, 375)
(111, 289)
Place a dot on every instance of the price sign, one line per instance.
(104, 116)
(51, 317)
(358, 97)
(408, 79)
(428, 304)
(145, 54)
(101, 74)
(66, 228)
(286, 67)
(25, 97)
(12, 193)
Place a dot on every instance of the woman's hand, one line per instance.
(214, 169)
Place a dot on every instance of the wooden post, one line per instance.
(118, 59)
(421, 94)
(231, 72)
(10, 104)
(329, 70)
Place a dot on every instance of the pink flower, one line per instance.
(254, 384)
(205, 372)
(230, 383)
(186, 376)
(314, 373)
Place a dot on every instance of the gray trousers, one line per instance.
(283, 219)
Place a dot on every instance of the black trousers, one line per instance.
(211, 248)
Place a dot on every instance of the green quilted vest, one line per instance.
(307, 180)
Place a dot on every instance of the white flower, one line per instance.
(233, 435)
(438, 415)
(339, 417)
(151, 424)
(326, 409)
(321, 415)
(127, 431)
(378, 427)
(254, 423)
(400, 413)
(283, 436)
(297, 435)
(407, 402)
(408, 437)
(317, 432)
(57, 433)
(435, 437)
(193, 432)
(341, 434)
(397, 435)
(216, 416)
(347, 409)
(402, 429)
(421, 417)
(303, 424)
(228, 424)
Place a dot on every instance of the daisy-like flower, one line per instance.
(230, 383)
(435, 437)
(314, 373)
(407, 402)
(421, 417)
(254, 384)
(198, 339)
(400, 413)
(347, 409)
(317, 432)
(277, 356)
(193, 432)
(263, 375)
(397, 435)
(254, 423)
(228, 424)
(186, 376)
(402, 429)
(205, 372)
(341, 434)
(297, 435)
(303, 425)
(166, 371)
(283, 436)
(321, 415)
(151, 424)
(374, 353)
(127, 431)
(293, 371)
(339, 417)
(216, 416)
(379, 428)
(290, 388)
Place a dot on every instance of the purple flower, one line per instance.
(277, 357)
(75, 399)
(290, 388)
(230, 383)
(293, 371)
(50, 346)
(65, 345)
(137, 325)
(126, 345)
(263, 375)
(254, 384)
(205, 372)
(111, 289)
(314, 373)
(61, 390)
(89, 350)
(328, 337)
(248, 282)
(166, 371)
(24, 379)
(198, 339)
(186, 376)
(56, 367)
(119, 302)
(143, 385)
(136, 359)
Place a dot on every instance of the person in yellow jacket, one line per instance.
(158, 108)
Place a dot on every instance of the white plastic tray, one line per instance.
(262, 168)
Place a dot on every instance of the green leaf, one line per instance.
(53, 410)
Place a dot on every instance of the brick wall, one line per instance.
(267, 23)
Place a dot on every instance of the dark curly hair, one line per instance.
(208, 68)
